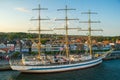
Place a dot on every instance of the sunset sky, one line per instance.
(15, 15)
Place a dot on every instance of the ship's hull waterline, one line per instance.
(57, 68)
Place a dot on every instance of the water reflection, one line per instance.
(8, 75)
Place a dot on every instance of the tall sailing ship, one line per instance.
(51, 63)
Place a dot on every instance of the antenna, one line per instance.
(66, 27)
(89, 27)
(39, 26)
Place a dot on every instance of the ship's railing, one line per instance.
(15, 62)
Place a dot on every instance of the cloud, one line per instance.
(21, 9)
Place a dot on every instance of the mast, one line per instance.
(89, 28)
(66, 27)
(39, 19)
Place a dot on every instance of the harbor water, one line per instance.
(108, 70)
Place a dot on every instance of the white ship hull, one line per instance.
(57, 68)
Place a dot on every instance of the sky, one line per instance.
(15, 15)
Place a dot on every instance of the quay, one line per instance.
(4, 65)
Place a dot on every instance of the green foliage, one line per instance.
(33, 53)
(20, 35)
(15, 54)
(44, 41)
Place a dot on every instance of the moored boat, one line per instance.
(56, 67)
(51, 63)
